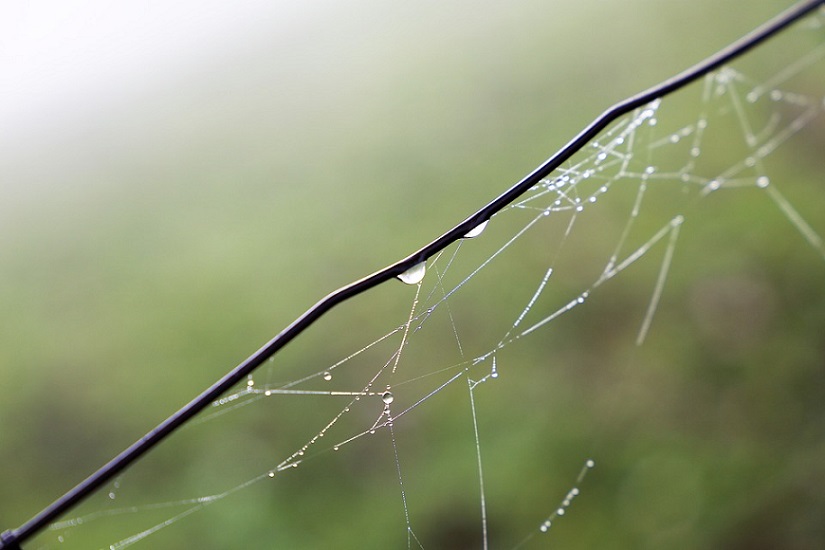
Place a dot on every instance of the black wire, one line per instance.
(12, 539)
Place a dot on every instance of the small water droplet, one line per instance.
(579, 208)
(414, 275)
(694, 152)
(477, 230)
(267, 393)
(601, 156)
(590, 463)
(652, 122)
(545, 526)
(327, 376)
(336, 448)
(387, 397)
(560, 511)
(271, 474)
(650, 169)
(674, 139)
(250, 382)
(60, 538)
(112, 495)
(776, 95)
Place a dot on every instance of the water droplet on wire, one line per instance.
(414, 275)
(477, 230)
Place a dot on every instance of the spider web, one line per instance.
(604, 394)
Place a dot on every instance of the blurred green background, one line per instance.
(180, 182)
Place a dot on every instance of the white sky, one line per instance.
(55, 53)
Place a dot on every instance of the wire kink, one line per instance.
(639, 153)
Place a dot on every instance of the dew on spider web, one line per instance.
(414, 392)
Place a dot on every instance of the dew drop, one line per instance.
(112, 495)
(267, 393)
(477, 230)
(763, 181)
(336, 448)
(271, 474)
(650, 169)
(776, 95)
(674, 139)
(60, 538)
(579, 208)
(387, 397)
(652, 122)
(327, 376)
(601, 156)
(414, 275)
(752, 97)
(560, 511)
(545, 526)
(590, 463)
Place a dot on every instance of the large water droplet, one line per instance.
(414, 275)
(387, 397)
(477, 230)
(327, 376)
